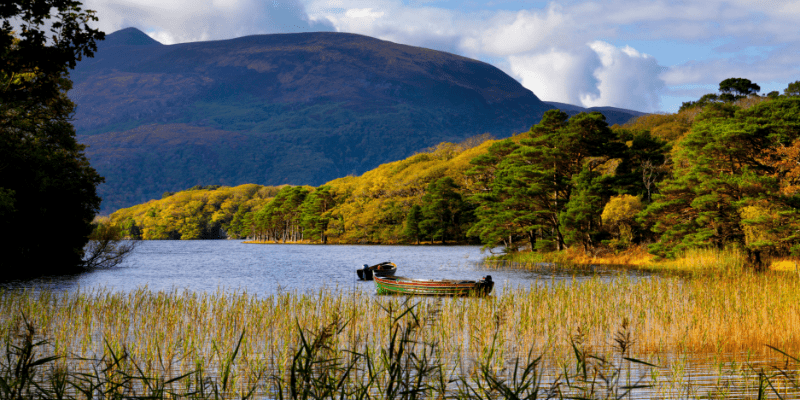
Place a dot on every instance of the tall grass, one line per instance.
(248, 343)
(698, 260)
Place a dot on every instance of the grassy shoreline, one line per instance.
(728, 260)
(716, 315)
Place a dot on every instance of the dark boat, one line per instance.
(445, 287)
(385, 268)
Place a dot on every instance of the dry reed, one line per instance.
(179, 332)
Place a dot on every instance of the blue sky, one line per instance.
(642, 55)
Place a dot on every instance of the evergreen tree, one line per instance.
(443, 210)
(581, 217)
(724, 167)
(412, 230)
(793, 89)
(315, 213)
(531, 185)
(491, 226)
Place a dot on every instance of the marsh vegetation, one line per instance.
(595, 338)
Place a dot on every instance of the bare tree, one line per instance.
(106, 248)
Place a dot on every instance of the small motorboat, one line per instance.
(386, 268)
(445, 287)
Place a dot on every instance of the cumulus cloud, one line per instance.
(559, 75)
(177, 21)
(625, 78)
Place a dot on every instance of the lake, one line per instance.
(264, 269)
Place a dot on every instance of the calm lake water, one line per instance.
(211, 265)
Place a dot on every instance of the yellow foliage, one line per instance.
(620, 212)
(369, 208)
(185, 214)
(785, 265)
(755, 233)
(670, 127)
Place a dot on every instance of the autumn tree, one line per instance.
(619, 218)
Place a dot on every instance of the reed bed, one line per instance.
(246, 339)
(730, 260)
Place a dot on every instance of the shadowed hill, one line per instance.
(614, 115)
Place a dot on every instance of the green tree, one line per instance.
(722, 169)
(581, 218)
(642, 165)
(493, 225)
(315, 213)
(735, 88)
(706, 99)
(525, 195)
(280, 218)
(413, 219)
(443, 210)
(793, 89)
(730, 89)
(47, 183)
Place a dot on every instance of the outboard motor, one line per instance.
(488, 284)
(364, 274)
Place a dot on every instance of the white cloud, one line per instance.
(363, 13)
(558, 75)
(176, 21)
(522, 32)
(626, 79)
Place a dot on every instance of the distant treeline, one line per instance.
(722, 171)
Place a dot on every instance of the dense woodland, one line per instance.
(723, 171)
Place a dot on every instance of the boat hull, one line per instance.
(406, 286)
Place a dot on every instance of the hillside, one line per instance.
(277, 109)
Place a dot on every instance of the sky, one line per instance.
(642, 55)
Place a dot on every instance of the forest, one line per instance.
(722, 172)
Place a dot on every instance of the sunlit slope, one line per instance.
(367, 208)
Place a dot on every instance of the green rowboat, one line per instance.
(446, 287)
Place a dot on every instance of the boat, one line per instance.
(386, 268)
(445, 287)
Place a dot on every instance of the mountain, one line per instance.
(301, 108)
(613, 115)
